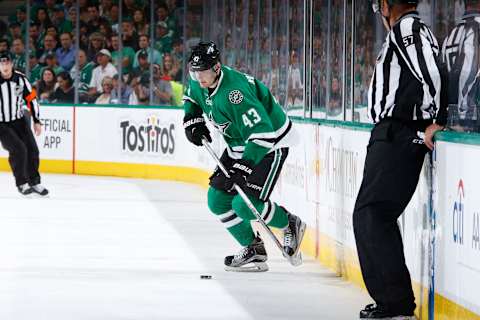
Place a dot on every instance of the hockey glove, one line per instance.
(196, 129)
(239, 173)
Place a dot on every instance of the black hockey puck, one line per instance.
(205, 276)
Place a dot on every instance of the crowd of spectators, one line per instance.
(118, 57)
(263, 38)
(125, 58)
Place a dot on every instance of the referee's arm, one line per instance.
(30, 96)
(420, 51)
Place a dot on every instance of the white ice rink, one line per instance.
(108, 248)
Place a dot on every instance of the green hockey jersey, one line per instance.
(243, 110)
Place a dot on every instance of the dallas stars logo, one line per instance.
(235, 96)
(222, 127)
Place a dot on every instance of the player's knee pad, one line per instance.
(219, 201)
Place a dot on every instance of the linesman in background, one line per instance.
(461, 54)
(407, 105)
(15, 134)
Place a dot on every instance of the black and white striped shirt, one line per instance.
(407, 81)
(15, 93)
(461, 54)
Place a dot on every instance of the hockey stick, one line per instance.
(296, 260)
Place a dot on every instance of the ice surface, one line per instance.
(110, 248)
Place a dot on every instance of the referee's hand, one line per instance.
(37, 128)
(430, 134)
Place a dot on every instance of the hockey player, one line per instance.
(256, 132)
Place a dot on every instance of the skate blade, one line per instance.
(296, 259)
(250, 267)
(27, 196)
(35, 195)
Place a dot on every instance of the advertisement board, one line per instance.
(56, 140)
(290, 188)
(457, 208)
(131, 135)
(335, 173)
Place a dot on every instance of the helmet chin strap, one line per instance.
(217, 77)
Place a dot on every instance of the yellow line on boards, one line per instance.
(143, 171)
(117, 169)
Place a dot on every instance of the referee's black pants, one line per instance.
(395, 156)
(17, 138)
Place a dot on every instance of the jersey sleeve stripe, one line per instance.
(263, 143)
(187, 98)
(276, 135)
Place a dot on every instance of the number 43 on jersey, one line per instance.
(251, 118)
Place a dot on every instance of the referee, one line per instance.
(15, 134)
(407, 105)
(461, 55)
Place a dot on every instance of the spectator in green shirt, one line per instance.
(35, 68)
(163, 16)
(19, 16)
(59, 20)
(52, 63)
(86, 70)
(164, 40)
(128, 55)
(18, 49)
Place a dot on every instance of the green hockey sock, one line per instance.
(271, 213)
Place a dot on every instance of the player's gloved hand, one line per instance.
(239, 173)
(196, 129)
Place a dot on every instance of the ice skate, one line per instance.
(40, 190)
(292, 238)
(25, 189)
(373, 311)
(250, 259)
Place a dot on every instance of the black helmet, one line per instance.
(5, 55)
(376, 4)
(204, 56)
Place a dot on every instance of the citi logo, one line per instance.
(458, 215)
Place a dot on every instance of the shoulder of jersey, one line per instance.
(237, 85)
